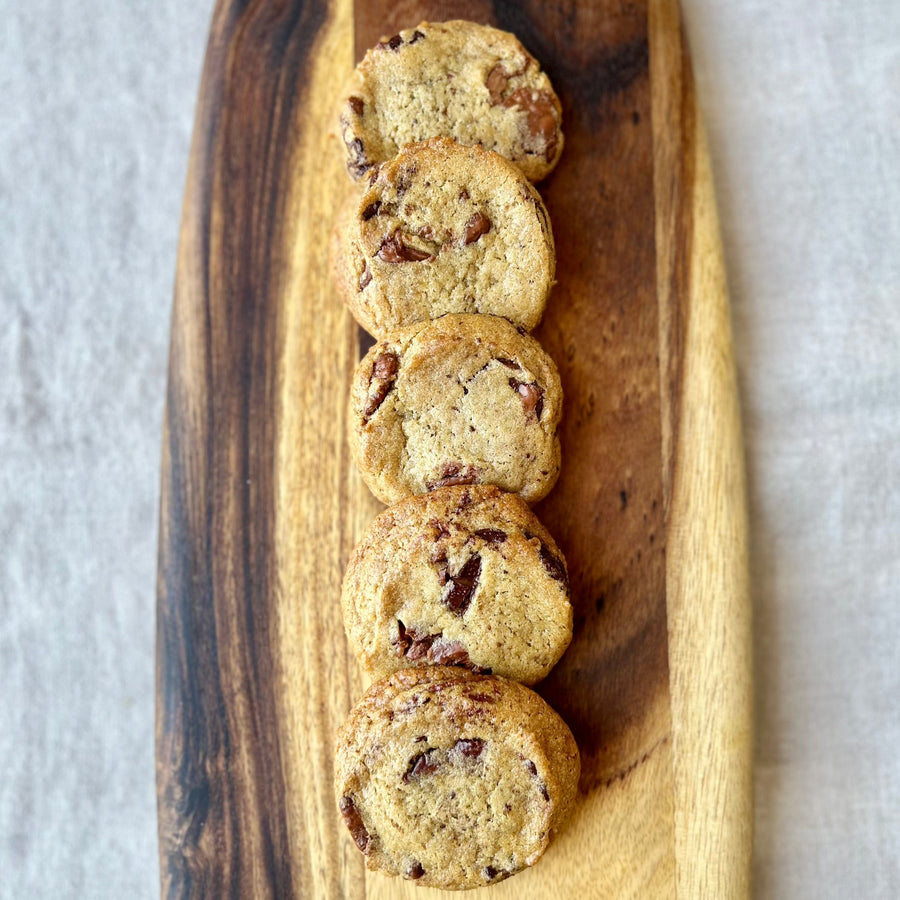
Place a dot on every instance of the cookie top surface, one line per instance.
(463, 399)
(445, 228)
(462, 576)
(453, 779)
(456, 79)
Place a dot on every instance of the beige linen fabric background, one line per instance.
(802, 102)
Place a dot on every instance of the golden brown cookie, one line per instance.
(455, 79)
(464, 399)
(463, 576)
(453, 779)
(445, 228)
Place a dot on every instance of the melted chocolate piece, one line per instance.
(460, 588)
(478, 225)
(394, 249)
(354, 822)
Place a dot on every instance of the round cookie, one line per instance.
(452, 79)
(446, 229)
(453, 779)
(460, 400)
(462, 576)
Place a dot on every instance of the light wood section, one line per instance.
(708, 597)
(710, 654)
(261, 505)
(318, 510)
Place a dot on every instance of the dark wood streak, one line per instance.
(616, 669)
(222, 818)
(597, 57)
(593, 68)
(187, 686)
(677, 158)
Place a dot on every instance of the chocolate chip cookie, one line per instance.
(445, 228)
(463, 576)
(453, 79)
(460, 400)
(452, 779)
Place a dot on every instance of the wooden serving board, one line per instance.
(261, 504)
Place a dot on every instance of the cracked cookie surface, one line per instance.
(452, 779)
(463, 576)
(455, 79)
(464, 399)
(444, 228)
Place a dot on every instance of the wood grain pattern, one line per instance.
(261, 505)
